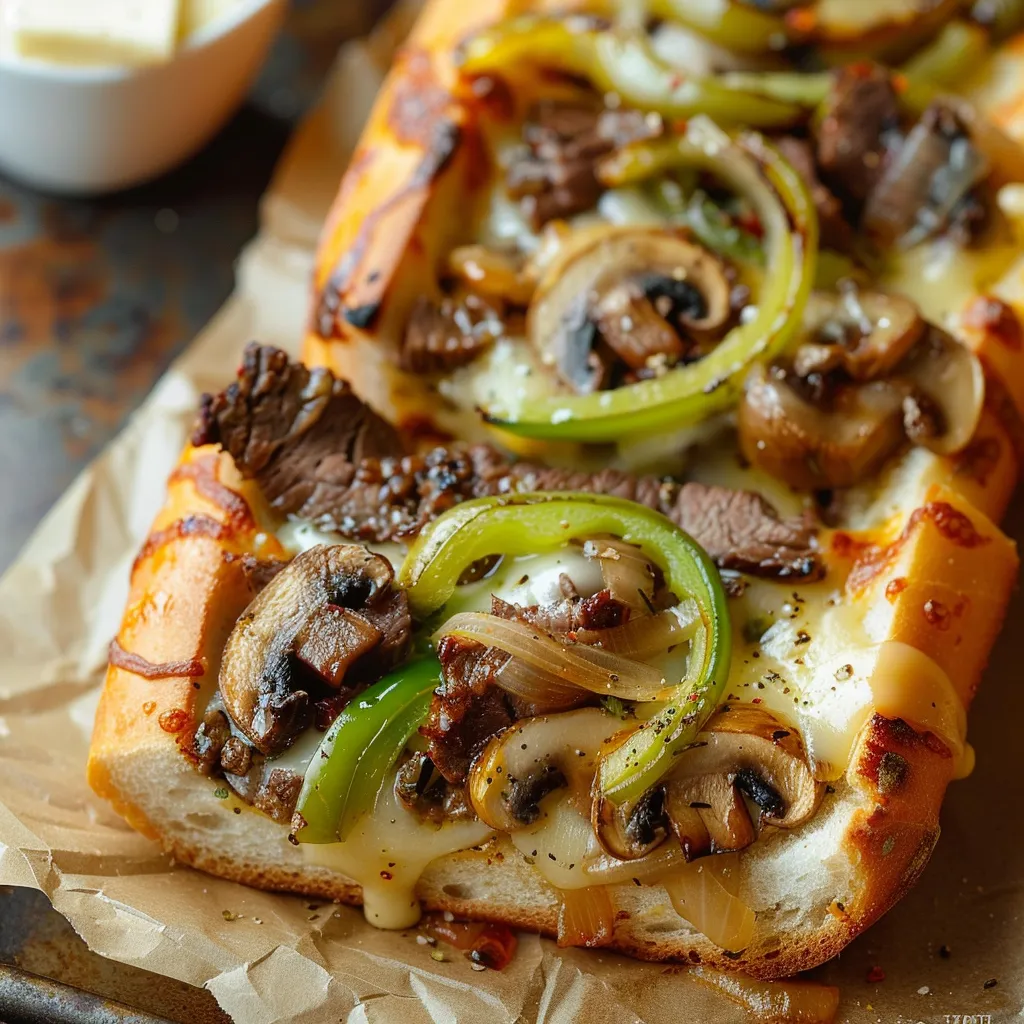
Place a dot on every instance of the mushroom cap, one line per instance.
(875, 376)
(586, 283)
(531, 758)
(743, 752)
(256, 679)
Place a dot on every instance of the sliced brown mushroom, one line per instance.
(811, 445)
(744, 752)
(872, 376)
(936, 167)
(315, 592)
(534, 757)
(866, 333)
(645, 296)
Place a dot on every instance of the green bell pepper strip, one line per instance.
(807, 89)
(531, 523)
(359, 749)
(734, 26)
(619, 60)
(688, 394)
(952, 56)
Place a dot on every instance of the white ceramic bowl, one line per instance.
(96, 129)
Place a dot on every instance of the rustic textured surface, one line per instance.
(96, 298)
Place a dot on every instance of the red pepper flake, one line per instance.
(757, 700)
(875, 975)
(149, 707)
(386, 875)
(174, 720)
(895, 587)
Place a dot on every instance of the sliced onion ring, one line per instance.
(538, 686)
(704, 893)
(589, 668)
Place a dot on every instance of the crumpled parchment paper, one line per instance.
(269, 957)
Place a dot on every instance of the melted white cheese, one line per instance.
(297, 536)
(387, 852)
(531, 579)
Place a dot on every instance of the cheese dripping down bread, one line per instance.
(688, 675)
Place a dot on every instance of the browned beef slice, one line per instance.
(323, 474)
(556, 173)
(855, 135)
(599, 611)
(301, 432)
(442, 336)
(468, 708)
(836, 233)
(391, 616)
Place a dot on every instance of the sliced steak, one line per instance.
(555, 174)
(858, 131)
(599, 611)
(442, 336)
(836, 233)
(323, 471)
(468, 707)
(299, 431)
(927, 187)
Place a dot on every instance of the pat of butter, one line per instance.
(103, 32)
(197, 14)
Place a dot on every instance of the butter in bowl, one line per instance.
(103, 95)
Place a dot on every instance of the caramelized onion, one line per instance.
(589, 668)
(609, 870)
(646, 635)
(539, 686)
(704, 893)
(787, 1002)
(586, 917)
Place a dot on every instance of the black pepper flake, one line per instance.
(945, 952)
(991, 983)
(636, 881)
(551, 856)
